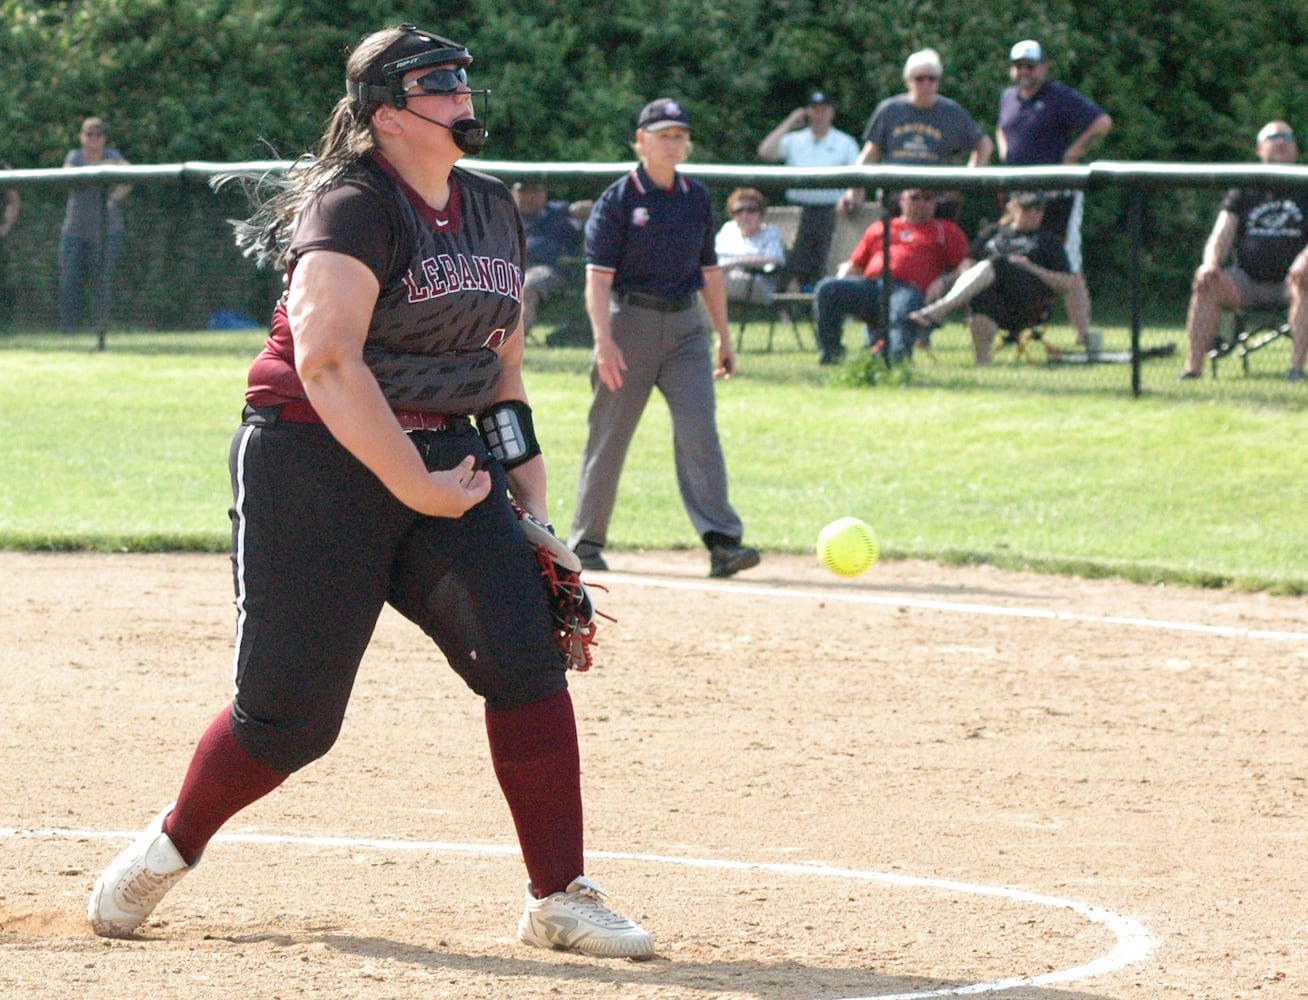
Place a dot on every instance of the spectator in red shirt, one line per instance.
(926, 253)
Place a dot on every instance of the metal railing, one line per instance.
(181, 247)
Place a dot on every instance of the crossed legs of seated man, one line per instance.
(971, 283)
(1215, 289)
(1003, 295)
(836, 299)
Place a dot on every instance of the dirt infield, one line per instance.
(928, 781)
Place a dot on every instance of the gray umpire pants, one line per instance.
(670, 352)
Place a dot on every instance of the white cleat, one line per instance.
(131, 887)
(577, 920)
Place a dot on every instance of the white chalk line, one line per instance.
(996, 610)
(1133, 945)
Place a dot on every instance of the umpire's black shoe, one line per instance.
(591, 559)
(728, 560)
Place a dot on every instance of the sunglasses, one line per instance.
(750, 209)
(925, 78)
(922, 196)
(1024, 64)
(440, 81)
(1279, 137)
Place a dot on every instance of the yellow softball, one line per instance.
(847, 546)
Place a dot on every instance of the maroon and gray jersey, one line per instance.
(451, 287)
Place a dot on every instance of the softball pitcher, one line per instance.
(386, 426)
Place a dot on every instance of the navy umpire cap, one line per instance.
(661, 114)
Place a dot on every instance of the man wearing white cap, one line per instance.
(1044, 122)
(921, 128)
(1267, 232)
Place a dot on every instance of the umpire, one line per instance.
(649, 251)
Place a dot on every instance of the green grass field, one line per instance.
(1056, 469)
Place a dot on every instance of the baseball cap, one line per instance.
(662, 114)
(818, 97)
(1027, 49)
(1028, 199)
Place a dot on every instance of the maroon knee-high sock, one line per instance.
(222, 780)
(534, 750)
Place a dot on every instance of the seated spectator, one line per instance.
(925, 254)
(1268, 231)
(553, 231)
(1020, 271)
(744, 244)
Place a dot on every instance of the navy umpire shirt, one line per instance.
(653, 241)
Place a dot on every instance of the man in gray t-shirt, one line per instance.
(922, 128)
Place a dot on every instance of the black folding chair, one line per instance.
(1249, 330)
(783, 305)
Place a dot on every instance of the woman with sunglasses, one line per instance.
(92, 232)
(748, 248)
(359, 479)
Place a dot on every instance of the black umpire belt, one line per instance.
(642, 301)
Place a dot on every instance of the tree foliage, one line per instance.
(219, 79)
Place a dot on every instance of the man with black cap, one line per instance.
(806, 138)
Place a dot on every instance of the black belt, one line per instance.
(643, 301)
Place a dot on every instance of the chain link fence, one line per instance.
(177, 268)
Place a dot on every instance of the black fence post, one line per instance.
(101, 280)
(1135, 225)
(887, 217)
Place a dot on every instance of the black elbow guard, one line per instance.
(509, 433)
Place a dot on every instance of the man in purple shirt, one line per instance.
(1045, 122)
